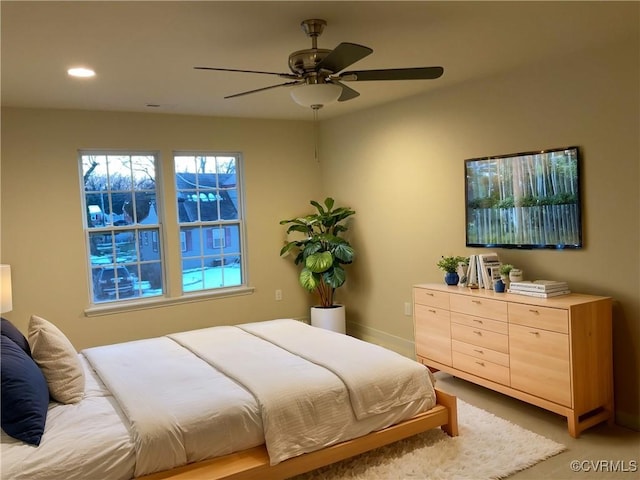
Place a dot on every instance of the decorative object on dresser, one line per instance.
(504, 273)
(540, 288)
(516, 275)
(322, 253)
(450, 266)
(555, 353)
(484, 270)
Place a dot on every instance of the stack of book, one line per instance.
(483, 270)
(540, 288)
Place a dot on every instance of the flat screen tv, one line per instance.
(524, 200)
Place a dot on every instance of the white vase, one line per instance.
(332, 318)
(515, 275)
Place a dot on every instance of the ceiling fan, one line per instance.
(317, 73)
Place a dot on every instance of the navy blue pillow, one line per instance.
(25, 395)
(9, 330)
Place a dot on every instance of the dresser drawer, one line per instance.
(479, 322)
(433, 334)
(433, 298)
(539, 361)
(482, 368)
(480, 352)
(479, 306)
(553, 319)
(480, 337)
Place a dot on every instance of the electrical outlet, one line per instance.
(278, 295)
(407, 309)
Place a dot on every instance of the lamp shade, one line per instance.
(6, 304)
(315, 95)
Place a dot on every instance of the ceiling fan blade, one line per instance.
(298, 82)
(283, 75)
(342, 56)
(348, 93)
(419, 73)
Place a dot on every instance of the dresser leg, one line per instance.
(572, 421)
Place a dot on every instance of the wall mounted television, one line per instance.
(524, 200)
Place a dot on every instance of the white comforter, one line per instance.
(378, 380)
(180, 409)
(196, 395)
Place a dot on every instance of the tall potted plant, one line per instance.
(322, 253)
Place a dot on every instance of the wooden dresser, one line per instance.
(555, 353)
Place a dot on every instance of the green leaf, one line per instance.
(311, 247)
(344, 253)
(299, 258)
(335, 277)
(318, 206)
(284, 250)
(298, 228)
(329, 203)
(319, 262)
(308, 280)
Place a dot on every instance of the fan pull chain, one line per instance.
(316, 134)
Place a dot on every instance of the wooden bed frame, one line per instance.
(253, 464)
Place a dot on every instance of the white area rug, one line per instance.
(488, 447)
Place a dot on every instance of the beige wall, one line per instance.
(43, 240)
(401, 168)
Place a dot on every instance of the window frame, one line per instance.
(203, 226)
(169, 247)
(139, 230)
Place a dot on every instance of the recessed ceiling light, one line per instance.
(81, 72)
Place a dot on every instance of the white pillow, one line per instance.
(58, 360)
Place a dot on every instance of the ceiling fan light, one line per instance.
(315, 95)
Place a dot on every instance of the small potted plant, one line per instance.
(504, 271)
(504, 274)
(450, 266)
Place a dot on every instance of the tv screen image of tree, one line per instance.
(524, 200)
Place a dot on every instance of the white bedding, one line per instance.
(378, 379)
(91, 432)
(180, 409)
(303, 405)
(170, 407)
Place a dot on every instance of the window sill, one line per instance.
(109, 309)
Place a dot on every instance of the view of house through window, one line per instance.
(124, 230)
(122, 225)
(210, 218)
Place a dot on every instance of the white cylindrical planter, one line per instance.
(332, 318)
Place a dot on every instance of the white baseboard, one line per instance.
(397, 344)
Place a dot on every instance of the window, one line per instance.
(120, 202)
(209, 203)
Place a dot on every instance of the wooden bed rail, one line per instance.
(253, 464)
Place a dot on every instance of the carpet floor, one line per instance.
(488, 447)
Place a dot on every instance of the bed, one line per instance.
(260, 400)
